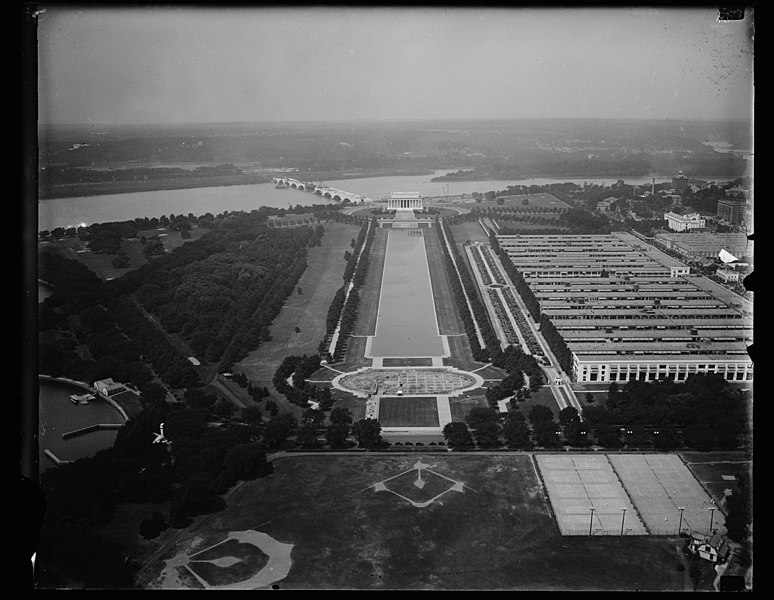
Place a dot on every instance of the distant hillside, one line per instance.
(492, 148)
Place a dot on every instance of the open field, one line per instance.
(435, 522)
(715, 469)
(307, 310)
(467, 231)
(408, 411)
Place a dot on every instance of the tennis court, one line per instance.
(587, 497)
(660, 485)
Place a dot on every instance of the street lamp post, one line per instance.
(623, 518)
(680, 527)
(712, 516)
(591, 521)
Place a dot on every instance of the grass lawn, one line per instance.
(449, 322)
(460, 407)
(498, 534)
(461, 355)
(408, 412)
(407, 362)
(356, 406)
(467, 230)
(307, 311)
(710, 467)
(544, 397)
(535, 201)
(354, 358)
(506, 223)
(323, 374)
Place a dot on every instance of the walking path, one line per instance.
(444, 410)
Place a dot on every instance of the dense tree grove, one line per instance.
(168, 362)
(222, 291)
(704, 413)
(219, 294)
(485, 423)
(739, 507)
(457, 436)
(517, 364)
(516, 432)
(544, 428)
(368, 433)
(290, 380)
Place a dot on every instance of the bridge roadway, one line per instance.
(322, 190)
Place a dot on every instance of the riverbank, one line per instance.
(612, 176)
(264, 176)
(125, 187)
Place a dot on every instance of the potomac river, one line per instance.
(77, 210)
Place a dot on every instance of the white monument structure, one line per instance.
(404, 201)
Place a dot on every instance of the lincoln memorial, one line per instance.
(404, 201)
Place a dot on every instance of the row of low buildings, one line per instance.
(629, 311)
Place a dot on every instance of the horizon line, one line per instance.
(392, 120)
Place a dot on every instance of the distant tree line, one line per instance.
(55, 175)
(705, 413)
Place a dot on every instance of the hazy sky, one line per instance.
(208, 65)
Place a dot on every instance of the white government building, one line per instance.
(684, 222)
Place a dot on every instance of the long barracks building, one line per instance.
(628, 311)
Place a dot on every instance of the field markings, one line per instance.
(419, 466)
